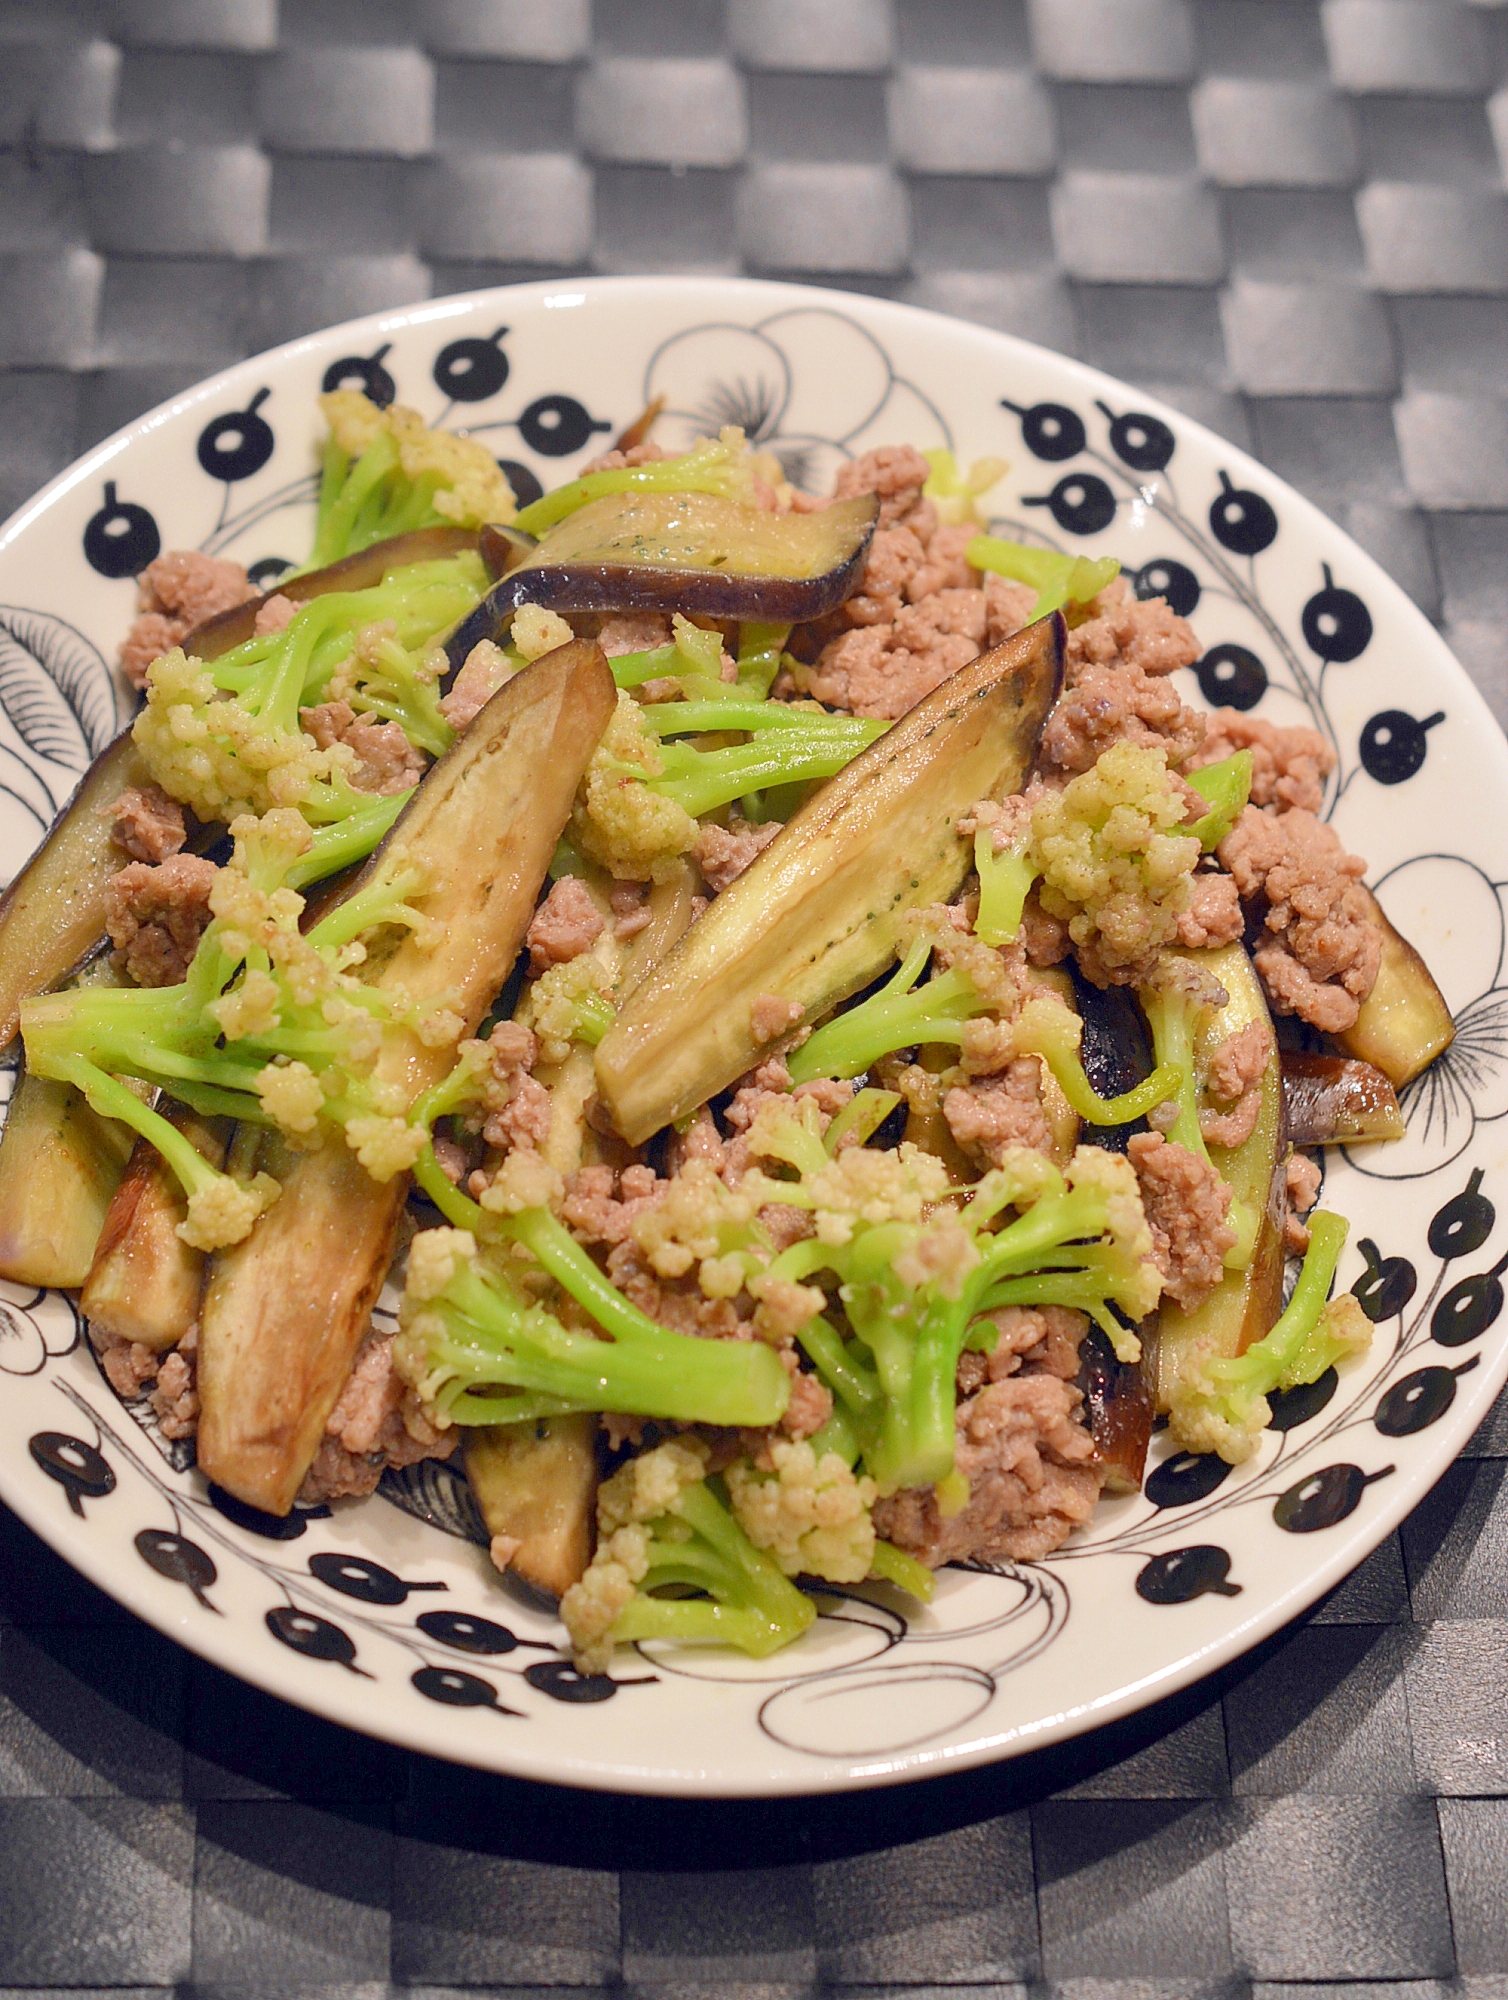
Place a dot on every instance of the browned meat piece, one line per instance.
(175, 1394)
(629, 902)
(675, 1302)
(724, 853)
(895, 474)
(990, 1113)
(157, 915)
(1235, 1081)
(148, 824)
(648, 453)
(596, 1214)
(1301, 1187)
(945, 566)
(1007, 607)
(633, 632)
(770, 1017)
(566, 924)
(1320, 950)
(376, 1422)
(175, 593)
(276, 615)
(1187, 1204)
(1030, 1464)
(700, 1141)
(524, 1120)
(386, 762)
(1128, 631)
(895, 557)
(129, 1365)
(1289, 766)
(811, 1401)
(867, 674)
(1214, 916)
(483, 672)
(1111, 704)
(1034, 1340)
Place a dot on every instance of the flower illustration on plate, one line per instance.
(35, 1327)
(808, 384)
(1454, 915)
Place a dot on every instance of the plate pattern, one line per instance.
(384, 1614)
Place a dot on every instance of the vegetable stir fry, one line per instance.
(795, 999)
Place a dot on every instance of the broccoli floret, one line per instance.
(268, 1028)
(1057, 579)
(1116, 860)
(914, 1276)
(478, 1352)
(976, 987)
(722, 465)
(247, 754)
(385, 473)
(1221, 1405)
(662, 1525)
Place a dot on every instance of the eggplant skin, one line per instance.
(1404, 1022)
(362, 571)
(819, 913)
(1118, 1411)
(578, 582)
(1337, 1101)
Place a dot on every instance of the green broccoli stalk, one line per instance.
(664, 1526)
(789, 745)
(374, 648)
(717, 465)
(479, 1353)
(1225, 787)
(383, 473)
(1222, 1404)
(975, 985)
(1057, 579)
(266, 1028)
(956, 495)
(1006, 875)
(760, 648)
(914, 1277)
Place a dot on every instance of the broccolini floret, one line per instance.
(914, 1274)
(663, 1525)
(1221, 1405)
(385, 473)
(268, 1028)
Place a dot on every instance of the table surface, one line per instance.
(1286, 218)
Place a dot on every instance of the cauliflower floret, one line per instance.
(248, 1009)
(618, 820)
(524, 1180)
(223, 1212)
(536, 632)
(472, 488)
(292, 1095)
(218, 758)
(1113, 868)
(385, 1145)
(554, 1005)
(432, 1259)
(811, 1514)
(590, 1608)
(698, 1220)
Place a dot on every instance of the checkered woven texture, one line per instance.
(1285, 217)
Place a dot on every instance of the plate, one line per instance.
(384, 1614)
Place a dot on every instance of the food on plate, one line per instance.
(810, 1019)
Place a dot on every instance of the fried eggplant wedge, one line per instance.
(1404, 1022)
(144, 1281)
(285, 1310)
(1337, 1101)
(536, 1485)
(818, 914)
(1244, 1305)
(60, 1168)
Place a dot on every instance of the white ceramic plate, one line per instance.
(395, 1624)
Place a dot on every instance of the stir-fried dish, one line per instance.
(813, 1024)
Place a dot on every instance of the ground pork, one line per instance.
(1301, 1186)
(1214, 916)
(178, 591)
(600, 1206)
(629, 903)
(147, 824)
(275, 614)
(1320, 951)
(524, 1120)
(723, 853)
(386, 762)
(1115, 685)
(129, 1365)
(811, 1401)
(1033, 1340)
(701, 1140)
(770, 1017)
(1186, 1204)
(156, 916)
(1030, 1464)
(677, 1303)
(167, 1380)
(895, 474)
(648, 453)
(633, 632)
(566, 924)
(482, 673)
(990, 1113)
(376, 1422)
(1235, 1084)
(1289, 766)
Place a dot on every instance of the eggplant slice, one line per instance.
(1337, 1101)
(691, 552)
(819, 913)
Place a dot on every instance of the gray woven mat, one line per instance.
(1288, 219)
